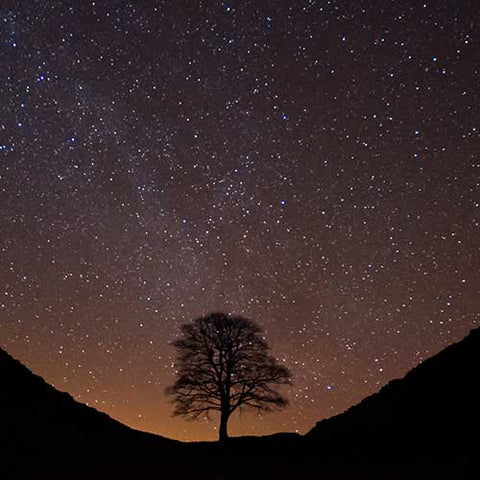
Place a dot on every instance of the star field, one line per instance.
(311, 165)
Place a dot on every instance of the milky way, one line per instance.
(311, 165)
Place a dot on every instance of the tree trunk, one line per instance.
(223, 432)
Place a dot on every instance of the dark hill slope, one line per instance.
(429, 419)
(44, 431)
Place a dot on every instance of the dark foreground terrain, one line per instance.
(424, 426)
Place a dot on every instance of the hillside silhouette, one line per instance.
(45, 432)
(423, 426)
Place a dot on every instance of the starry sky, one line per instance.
(313, 165)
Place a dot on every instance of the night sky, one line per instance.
(312, 165)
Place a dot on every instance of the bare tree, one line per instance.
(224, 365)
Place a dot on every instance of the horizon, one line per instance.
(213, 419)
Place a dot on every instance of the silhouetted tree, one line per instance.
(224, 365)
